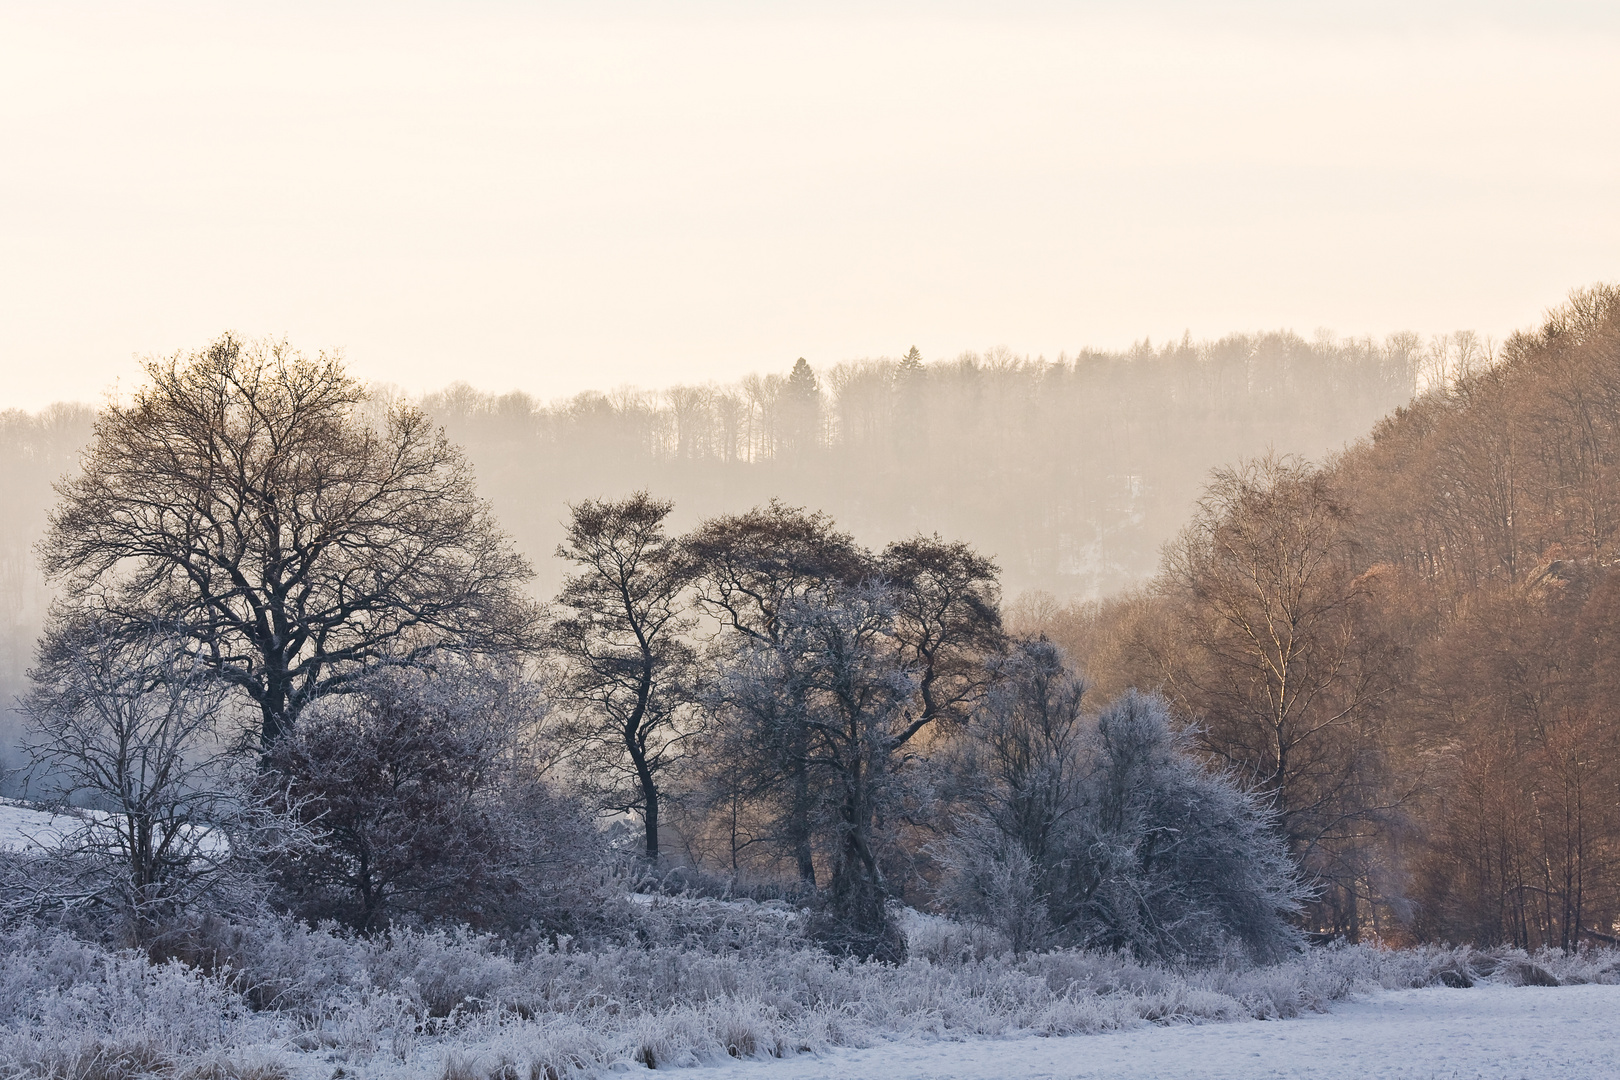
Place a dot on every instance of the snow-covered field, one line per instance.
(294, 1003)
(1568, 1032)
(23, 828)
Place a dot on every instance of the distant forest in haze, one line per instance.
(1071, 473)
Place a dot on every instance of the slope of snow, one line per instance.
(27, 828)
(24, 828)
(1485, 1033)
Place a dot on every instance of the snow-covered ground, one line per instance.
(1569, 1032)
(26, 828)
(23, 828)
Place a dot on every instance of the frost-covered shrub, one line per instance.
(995, 883)
(714, 925)
(467, 1006)
(77, 1011)
(1108, 833)
(426, 793)
(1184, 861)
(947, 941)
(125, 720)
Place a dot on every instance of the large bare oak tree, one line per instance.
(259, 504)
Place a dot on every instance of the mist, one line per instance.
(1071, 473)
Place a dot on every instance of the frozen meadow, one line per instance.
(728, 988)
(1488, 1032)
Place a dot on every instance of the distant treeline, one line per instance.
(1072, 473)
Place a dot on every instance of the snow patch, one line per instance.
(25, 828)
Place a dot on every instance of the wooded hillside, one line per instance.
(1413, 647)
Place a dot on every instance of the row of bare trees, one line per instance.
(773, 673)
(291, 660)
(1410, 647)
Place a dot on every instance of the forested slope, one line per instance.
(1071, 473)
(1413, 648)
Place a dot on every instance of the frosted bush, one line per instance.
(463, 1006)
(77, 1012)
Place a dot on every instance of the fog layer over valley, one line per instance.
(1070, 473)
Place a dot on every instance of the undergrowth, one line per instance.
(696, 980)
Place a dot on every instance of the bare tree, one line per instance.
(244, 502)
(746, 567)
(835, 675)
(629, 666)
(135, 725)
(1273, 652)
(942, 620)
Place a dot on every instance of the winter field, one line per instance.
(728, 988)
(731, 989)
(1487, 1032)
(23, 828)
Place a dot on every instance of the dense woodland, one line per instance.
(1411, 647)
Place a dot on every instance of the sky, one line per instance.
(559, 197)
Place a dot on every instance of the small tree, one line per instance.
(425, 790)
(628, 666)
(1017, 782)
(137, 727)
(245, 502)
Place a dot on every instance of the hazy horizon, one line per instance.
(577, 197)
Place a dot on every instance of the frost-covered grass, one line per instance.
(701, 980)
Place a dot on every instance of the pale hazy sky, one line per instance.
(558, 197)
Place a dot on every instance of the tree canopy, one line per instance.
(293, 530)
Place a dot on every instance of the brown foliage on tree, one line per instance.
(1271, 644)
(1428, 621)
